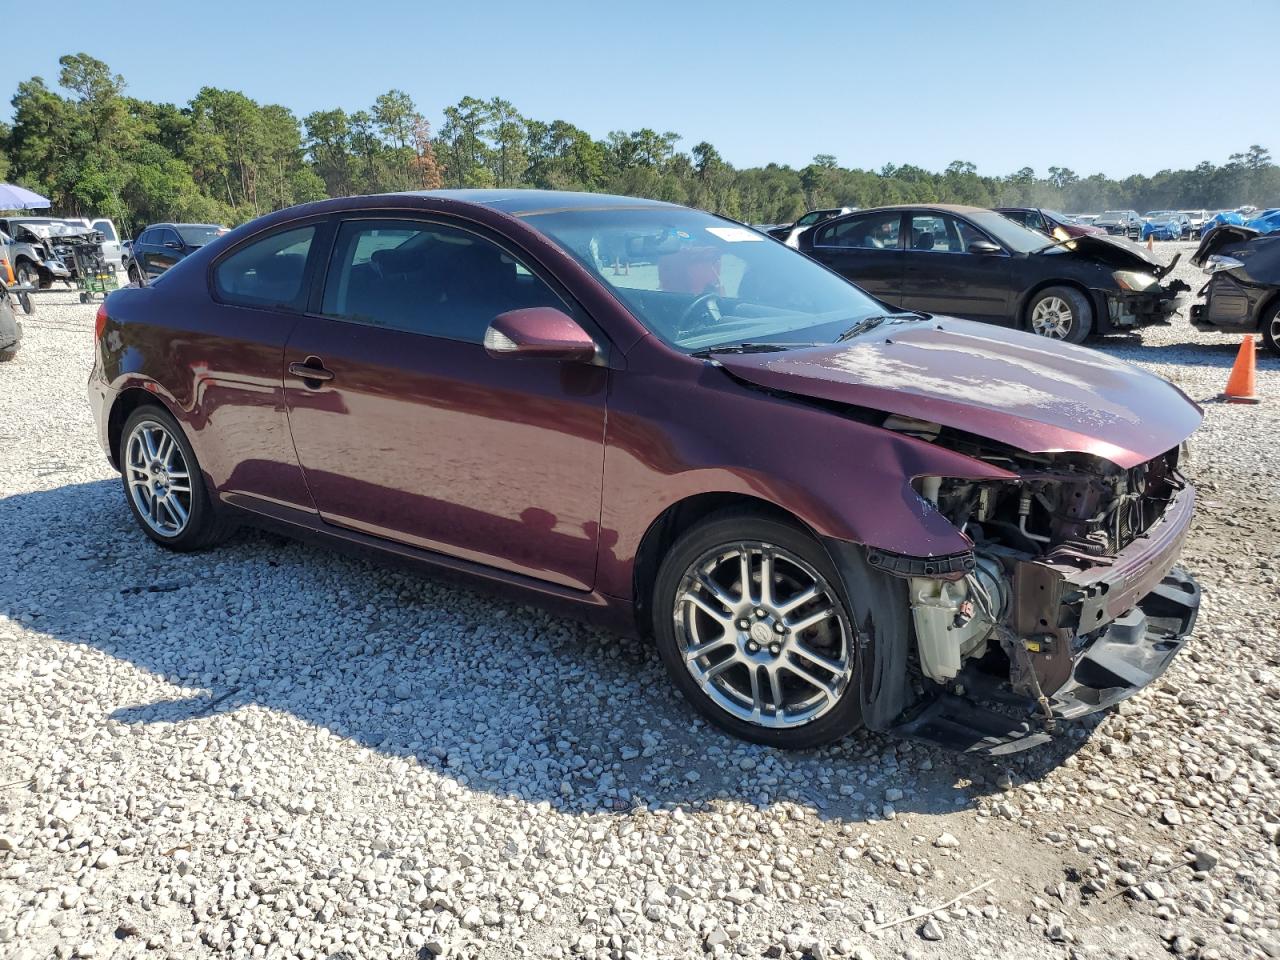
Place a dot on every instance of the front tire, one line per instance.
(27, 275)
(1060, 313)
(163, 484)
(752, 622)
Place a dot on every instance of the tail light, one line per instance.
(100, 322)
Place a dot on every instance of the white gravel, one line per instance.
(190, 766)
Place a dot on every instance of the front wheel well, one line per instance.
(127, 402)
(674, 521)
(1265, 307)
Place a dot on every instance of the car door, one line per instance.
(163, 252)
(409, 430)
(145, 247)
(940, 275)
(865, 248)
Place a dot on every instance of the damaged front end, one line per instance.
(1069, 601)
(1135, 295)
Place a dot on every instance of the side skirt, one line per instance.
(598, 609)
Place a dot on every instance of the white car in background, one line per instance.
(790, 234)
(112, 252)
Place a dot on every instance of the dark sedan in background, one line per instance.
(161, 245)
(1050, 222)
(976, 263)
(1121, 223)
(1243, 292)
(825, 516)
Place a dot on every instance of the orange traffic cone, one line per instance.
(1241, 386)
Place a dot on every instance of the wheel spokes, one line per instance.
(742, 610)
(157, 478)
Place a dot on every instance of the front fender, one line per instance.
(845, 479)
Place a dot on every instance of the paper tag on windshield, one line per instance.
(735, 234)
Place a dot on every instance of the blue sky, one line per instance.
(1115, 87)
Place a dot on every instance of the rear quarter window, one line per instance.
(269, 272)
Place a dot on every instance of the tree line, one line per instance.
(224, 158)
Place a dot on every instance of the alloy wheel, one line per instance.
(1052, 317)
(763, 634)
(158, 477)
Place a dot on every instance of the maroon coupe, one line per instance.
(827, 512)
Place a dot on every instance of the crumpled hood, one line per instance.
(1119, 252)
(1038, 395)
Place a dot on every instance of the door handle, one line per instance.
(312, 370)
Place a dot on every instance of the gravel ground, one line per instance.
(272, 751)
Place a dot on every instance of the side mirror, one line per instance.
(538, 332)
(985, 248)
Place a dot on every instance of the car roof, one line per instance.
(941, 207)
(525, 202)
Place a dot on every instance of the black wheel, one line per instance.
(8, 353)
(1270, 325)
(84, 297)
(135, 276)
(163, 484)
(27, 275)
(1060, 313)
(752, 622)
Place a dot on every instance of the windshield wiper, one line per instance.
(870, 323)
(747, 346)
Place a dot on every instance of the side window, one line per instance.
(166, 236)
(1036, 222)
(929, 233)
(940, 233)
(144, 237)
(426, 278)
(968, 234)
(267, 272)
(875, 232)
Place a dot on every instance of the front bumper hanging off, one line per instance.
(1144, 607)
(1129, 654)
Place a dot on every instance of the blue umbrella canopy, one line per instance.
(13, 197)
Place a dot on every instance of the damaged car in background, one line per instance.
(828, 513)
(45, 248)
(35, 260)
(978, 264)
(1243, 291)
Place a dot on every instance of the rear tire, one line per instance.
(777, 669)
(135, 277)
(1270, 325)
(1060, 313)
(163, 483)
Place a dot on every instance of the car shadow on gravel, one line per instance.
(498, 696)
(1192, 353)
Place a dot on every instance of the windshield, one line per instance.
(1061, 217)
(697, 281)
(198, 234)
(1010, 233)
